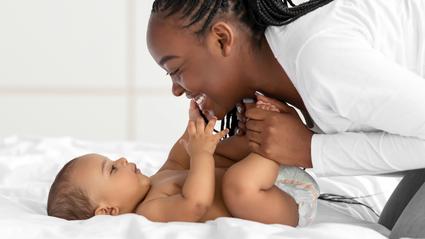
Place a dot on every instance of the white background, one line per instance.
(81, 68)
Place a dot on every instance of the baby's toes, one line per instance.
(274, 108)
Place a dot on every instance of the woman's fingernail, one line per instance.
(239, 109)
(248, 100)
(258, 93)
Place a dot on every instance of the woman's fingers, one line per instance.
(240, 108)
(254, 125)
(253, 136)
(241, 129)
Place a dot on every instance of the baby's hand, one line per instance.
(194, 112)
(202, 139)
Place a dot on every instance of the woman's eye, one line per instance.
(174, 72)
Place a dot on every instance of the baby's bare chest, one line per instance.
(170, 182)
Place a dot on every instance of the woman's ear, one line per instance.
(222, 38)
(107, 210)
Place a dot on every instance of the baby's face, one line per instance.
(111, 183)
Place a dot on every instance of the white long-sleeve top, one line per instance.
(359, 66)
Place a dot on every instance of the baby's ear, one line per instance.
(106, 210)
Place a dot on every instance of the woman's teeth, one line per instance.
(200, 99)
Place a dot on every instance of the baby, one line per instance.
(203, 179)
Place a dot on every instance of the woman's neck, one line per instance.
(269, 77)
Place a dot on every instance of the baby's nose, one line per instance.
(123, 161)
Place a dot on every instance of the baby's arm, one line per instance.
(198, 190)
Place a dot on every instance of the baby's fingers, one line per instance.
(194, 111)
(191, 128)
(222, 133)
(185, 144)
(210, 126)
(200, 125)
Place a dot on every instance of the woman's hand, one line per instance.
(240, 114)
(282, 137)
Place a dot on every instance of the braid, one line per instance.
(230, 121)
(195, 10)
(256, 14)
(335, 198)
(264, 13)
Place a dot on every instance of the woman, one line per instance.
(354, 68)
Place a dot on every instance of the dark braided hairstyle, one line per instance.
(257, 15)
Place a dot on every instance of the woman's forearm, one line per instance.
(234, 148)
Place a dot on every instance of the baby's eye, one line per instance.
(113, 168)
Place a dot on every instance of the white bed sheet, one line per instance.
(28, 166)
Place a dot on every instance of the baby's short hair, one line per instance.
(66, 200)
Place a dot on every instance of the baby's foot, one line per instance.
(267, 106)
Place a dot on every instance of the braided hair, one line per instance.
(257, 15)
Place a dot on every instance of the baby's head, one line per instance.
(93, 185)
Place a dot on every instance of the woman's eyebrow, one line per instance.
(167, 58)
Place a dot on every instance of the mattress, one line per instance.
(28, 166)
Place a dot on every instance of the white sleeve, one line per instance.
(345, 75)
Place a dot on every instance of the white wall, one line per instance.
(81, 68)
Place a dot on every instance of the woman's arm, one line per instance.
(369, 89)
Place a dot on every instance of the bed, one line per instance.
(28, 166)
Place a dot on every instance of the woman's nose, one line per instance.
(177, 89)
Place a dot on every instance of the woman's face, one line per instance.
(208, 69)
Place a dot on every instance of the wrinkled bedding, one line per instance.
(29, 165)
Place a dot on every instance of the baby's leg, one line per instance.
(249, 192)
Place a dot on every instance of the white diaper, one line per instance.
(302, 187)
